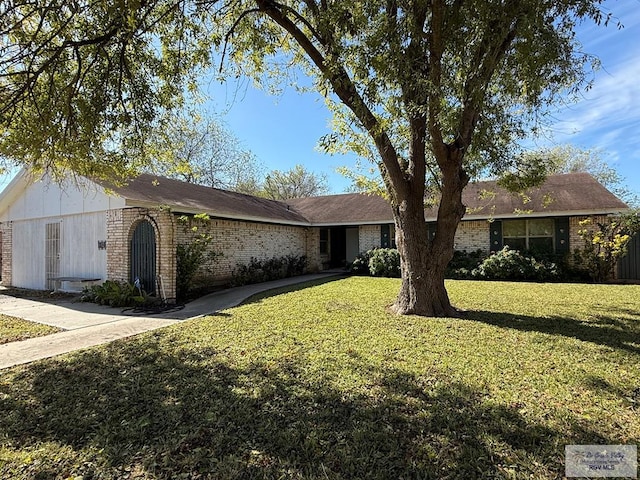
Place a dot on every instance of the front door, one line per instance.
(143, 257)
(353, 243)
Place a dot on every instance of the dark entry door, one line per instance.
(143, 257)
(338, 247)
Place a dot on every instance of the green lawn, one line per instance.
(321, 383)
(13, 329)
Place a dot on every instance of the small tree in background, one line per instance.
(605, 243)
(295, 183)
(192, 254)
(198, 148)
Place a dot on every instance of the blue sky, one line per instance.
(283, 130)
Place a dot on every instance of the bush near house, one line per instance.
(510, 264)
(604, 244)
(275, 268)
(385, 262)
(377, 262)
(114, 293)
(192, 254)
(463, 263)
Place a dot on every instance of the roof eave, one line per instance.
(567, 213)
(225, 216)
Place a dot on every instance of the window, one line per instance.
(535, 235)
(324, 241)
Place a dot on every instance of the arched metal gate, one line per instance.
(143, 257)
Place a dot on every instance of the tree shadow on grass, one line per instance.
(607, 330)
(139, 408)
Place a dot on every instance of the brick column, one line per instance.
(120, 227)
(314, 262)
(6, 244)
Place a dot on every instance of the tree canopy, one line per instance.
(294, 183)
(569, 159)
(83, 83)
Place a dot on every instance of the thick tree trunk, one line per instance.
(424, 261)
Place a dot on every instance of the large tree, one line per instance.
(439, 86)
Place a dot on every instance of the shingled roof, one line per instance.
(568, 194)
(151, 191)
(346, 209)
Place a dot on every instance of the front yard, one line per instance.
(321, 383)
(14, 329)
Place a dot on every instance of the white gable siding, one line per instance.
(79, 253)
(46, 199)
(28, 262)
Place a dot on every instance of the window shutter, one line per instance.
(385, 234)
(495, 236)
(431, 228)
(562, 235)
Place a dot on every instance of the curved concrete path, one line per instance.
(87, 324)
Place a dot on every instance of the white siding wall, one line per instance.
(79, 253)
(28, 263)
(47, 199)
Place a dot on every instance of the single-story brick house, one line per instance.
(88, 230)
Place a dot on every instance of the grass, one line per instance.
(14, 329)
(321, 383)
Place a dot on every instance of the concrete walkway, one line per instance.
(87, 324)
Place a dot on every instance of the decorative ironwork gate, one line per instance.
(143, 257)
(52, 254)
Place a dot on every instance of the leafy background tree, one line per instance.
(199, 149)
(535, 165)
(294, 183)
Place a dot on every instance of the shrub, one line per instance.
(115, 294)
(604, 243)
(360, 265)
(463, 263)
(275, 268)
(190, 256)
(510, 264)
(384, 262)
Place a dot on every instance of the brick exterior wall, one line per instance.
(6, 246)
(314, 259)
(236, 242)
(472, 235)
(120, 227)
(575, 242)
(369, 237)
